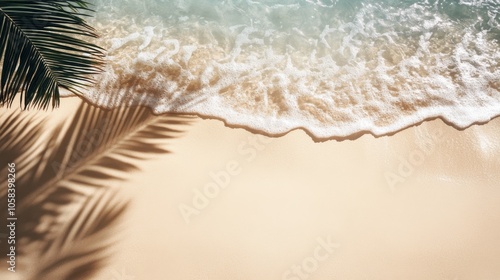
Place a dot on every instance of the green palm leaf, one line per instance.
(43, 49)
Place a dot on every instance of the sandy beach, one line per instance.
(439, 220)
(250, 140)
(230, 204)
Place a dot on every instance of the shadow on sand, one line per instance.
(68, 207)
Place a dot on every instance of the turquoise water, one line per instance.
(332, 67)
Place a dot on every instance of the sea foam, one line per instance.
(331, 67)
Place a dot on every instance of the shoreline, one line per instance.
(350, 137)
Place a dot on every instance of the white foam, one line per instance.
(377, 69)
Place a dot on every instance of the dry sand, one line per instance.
(421, 204)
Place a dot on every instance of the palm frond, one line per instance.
(43, 49)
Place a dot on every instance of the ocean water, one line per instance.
(331, 67)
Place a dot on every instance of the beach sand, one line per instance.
(229, 204)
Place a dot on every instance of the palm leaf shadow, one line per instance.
(82, 247)
(72, 168)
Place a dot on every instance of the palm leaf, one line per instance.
(43, 49)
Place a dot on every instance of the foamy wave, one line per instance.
(333, 68)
